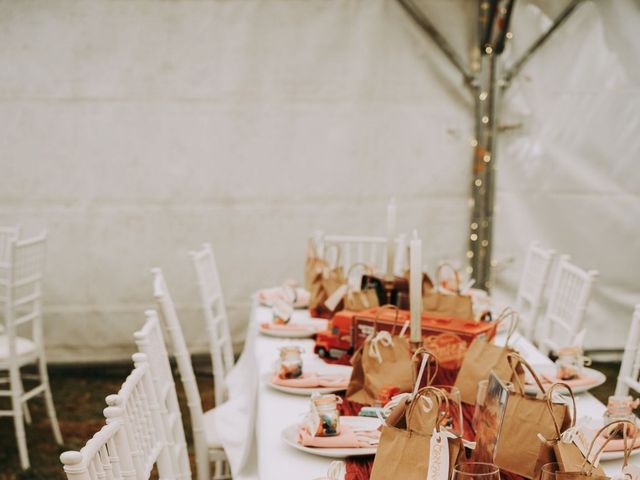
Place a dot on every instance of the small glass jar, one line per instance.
(290, 364)
(620, 407)
(570, 363)
(324, 416)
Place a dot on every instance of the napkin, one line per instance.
(581, 381)
(300, 296)
(617, 445)
(312, 380)
(348, 438)
(288, 327)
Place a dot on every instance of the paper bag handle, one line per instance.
(395, 320)
(549, 398)
(432, 361)
(366, 270)
(627, 447)
(328, 247)
(510, 357)
(440, 399)
(455, 273)
(514, 318)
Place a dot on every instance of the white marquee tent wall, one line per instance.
(135, 130)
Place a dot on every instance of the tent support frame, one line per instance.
(486, 88)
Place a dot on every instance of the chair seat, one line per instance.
(211, 432)
(24, 346)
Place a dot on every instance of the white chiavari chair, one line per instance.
(7, 234)
(150, 342)
(215, 313)
(630, 368)
(369, 250)
(144, 425)
(107, 455)
(22, 341)
(569, 294)
(535, 273)
(133, 441)
(207, 445)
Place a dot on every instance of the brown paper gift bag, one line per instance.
(405, 453)
(447, 304)
(571, 459)
(358, 299)
(482, 358)
(426, 372)
(587, 471)
(320, 279)
(548, 448)
(566, 453)
(383, 359)
(525, 417)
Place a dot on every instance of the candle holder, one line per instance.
(389, 286)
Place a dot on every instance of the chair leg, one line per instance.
(48, 399)
(221, 470)
(18, 419)
(25, 407)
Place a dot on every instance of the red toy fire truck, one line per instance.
(447, 338)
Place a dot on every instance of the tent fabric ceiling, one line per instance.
(136, 130)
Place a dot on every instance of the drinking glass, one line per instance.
(480, 399)
(549, 471)
(476, 471)
(454, 422)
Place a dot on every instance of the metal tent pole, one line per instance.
(493, 31)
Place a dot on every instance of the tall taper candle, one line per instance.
(415, 287)
(391, 238)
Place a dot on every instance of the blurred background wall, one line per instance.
(135, 130)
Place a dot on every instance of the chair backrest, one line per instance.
(107, 455)
(144, 424)
(535, 272)
(24, 272)
(569, 294)
(132, 442)
(215, 313)
(7, 234)
(180, 352)
(151, 342)
(630, 367)
(362, 249)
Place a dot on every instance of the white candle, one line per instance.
(391, 238)
(415, 287)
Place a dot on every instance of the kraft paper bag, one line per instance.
(357, 301)
(587, 471)
(320, 279)
(451, 304)
(426, 368)
(482, 358)
(547, 452)
(383, 360)
(525, 418)
(571, 459)
(406, 454)
(447, 305)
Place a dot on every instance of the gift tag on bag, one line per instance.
(336, 297)
(438, 456)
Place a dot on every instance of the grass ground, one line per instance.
(79, 397)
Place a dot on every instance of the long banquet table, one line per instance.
(276, 410)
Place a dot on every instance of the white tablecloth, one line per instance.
(276, 410)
